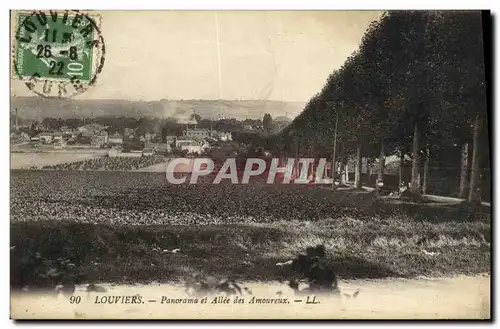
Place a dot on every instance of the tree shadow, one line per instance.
(437, 212)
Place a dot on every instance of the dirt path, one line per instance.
(41, 159)
(436, 199)
(464, 297)
(159, 167)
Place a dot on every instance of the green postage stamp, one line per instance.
(57, 53)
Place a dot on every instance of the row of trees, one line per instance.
(416, 86)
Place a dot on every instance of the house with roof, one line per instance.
(19, 137)
(115, 139)
(129, 133)
(148, 152)
(60, 144)
(222, 136)
(82, 129)
(192, 146)
(58, 136)
(46, 137)
(100, 140)
(170, 139)
(180, 142)
(161, 148)
(196, 133)
(67, 132)
(25, 136)
(92, 128)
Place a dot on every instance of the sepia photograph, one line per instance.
(250, 164)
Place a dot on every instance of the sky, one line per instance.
(270, 55)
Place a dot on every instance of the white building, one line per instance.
(147, 152)
(222, 136)
(196, 133)
(115, 139)
(46, 137)
(195, 149)
(182, 142)
(58, 136)
(191, 146)
(59, 145)
(158, 147)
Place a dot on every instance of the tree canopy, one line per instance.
(412, 67)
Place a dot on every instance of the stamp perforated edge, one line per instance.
(97, 53)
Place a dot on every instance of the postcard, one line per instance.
(275, 164)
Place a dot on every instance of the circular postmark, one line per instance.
(58, 54)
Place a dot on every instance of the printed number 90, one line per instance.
(75, 299)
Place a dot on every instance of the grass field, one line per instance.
(120, 227)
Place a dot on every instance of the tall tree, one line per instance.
(267, 122)
(417, 77)
(464, 171)
(474, 192)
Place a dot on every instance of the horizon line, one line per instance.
(149, 116)
(169, 99)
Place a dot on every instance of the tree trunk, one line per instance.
(296, 162)
(381, 167)
(334, 170)
(401, 166)
(334, 156)
(343, 170)
(415, 183)
(426, 171)
(464, 172)
(381, 162)
(359, 164)
(346, 172)
(474, 194)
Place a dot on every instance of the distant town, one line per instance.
(137, 137)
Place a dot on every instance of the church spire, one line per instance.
(192, 119)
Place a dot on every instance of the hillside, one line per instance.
(39, 108)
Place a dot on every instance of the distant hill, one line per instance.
(282, 119)
(39, 108)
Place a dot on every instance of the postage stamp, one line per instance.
(57, 53)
